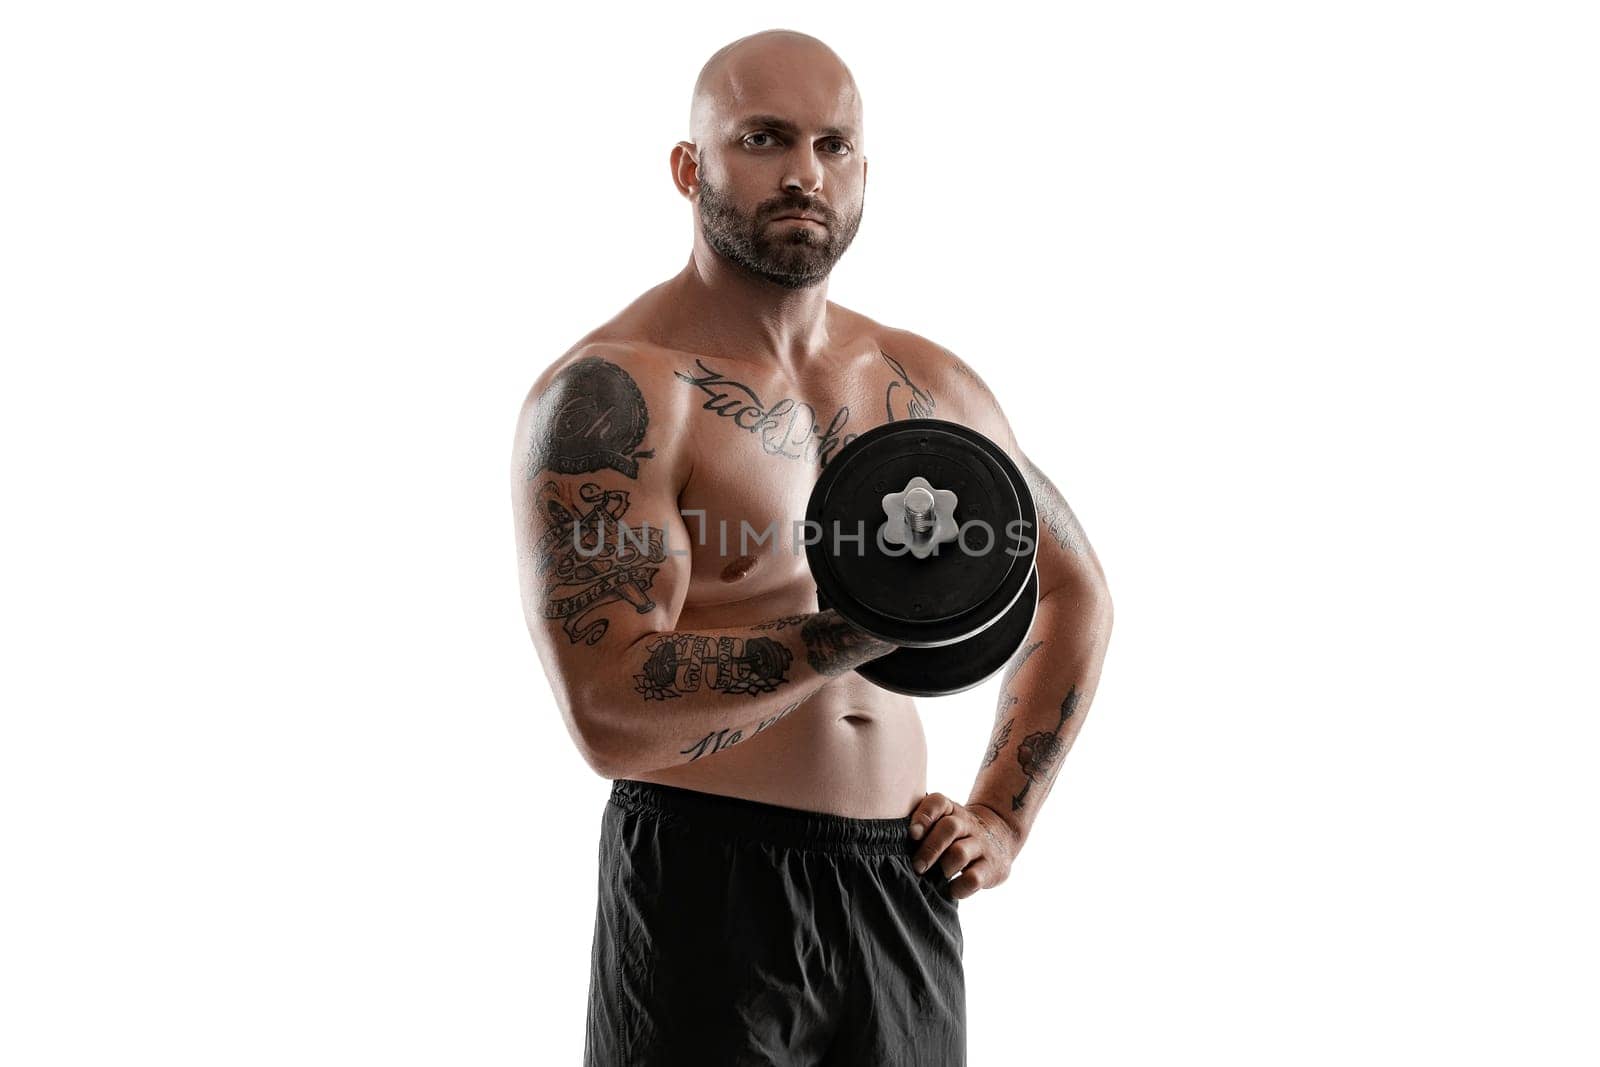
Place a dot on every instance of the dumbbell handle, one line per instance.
(920, 516)
(919, 512)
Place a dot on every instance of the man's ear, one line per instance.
(686, 168)
(863, 173)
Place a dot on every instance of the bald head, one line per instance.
(776, 170)
(772, 66)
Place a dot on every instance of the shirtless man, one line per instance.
(776, 883)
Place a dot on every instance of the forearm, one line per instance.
(1044, 698)
(675, 697)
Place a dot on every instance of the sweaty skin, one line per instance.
(706, 409)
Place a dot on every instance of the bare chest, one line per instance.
(758, 443)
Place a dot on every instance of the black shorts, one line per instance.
(732, 932)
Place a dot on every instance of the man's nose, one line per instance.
(804, 174)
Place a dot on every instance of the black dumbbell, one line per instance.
(922, 533)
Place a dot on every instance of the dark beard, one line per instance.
(798, 259)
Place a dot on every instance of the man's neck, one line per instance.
(720, 308)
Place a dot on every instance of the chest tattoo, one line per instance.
(793, 428)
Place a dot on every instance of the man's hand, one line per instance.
(972, 840)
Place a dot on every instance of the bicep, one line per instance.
(1065, 558)
(603, 562)
(602, 550)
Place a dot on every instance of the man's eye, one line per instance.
(837, 147)
(751, 140)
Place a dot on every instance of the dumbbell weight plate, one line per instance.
(955, 668)
(952, 594)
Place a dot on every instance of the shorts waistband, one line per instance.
(772, 824)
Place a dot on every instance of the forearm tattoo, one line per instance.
(589, 560)
(997, 741)
(1015, 667)
(833, 646)
(680, 663)
(717, 740)
(1040, 753)
(1002, 731)
(782, 623)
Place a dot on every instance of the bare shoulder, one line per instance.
(643, 364)
(953, 389)
(916, 356)
(603, 405)
(972, 403)
(933, 359)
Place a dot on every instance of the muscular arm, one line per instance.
(1047, 688)
(603, 559)
(676, 697)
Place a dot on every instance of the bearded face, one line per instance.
(787, 252)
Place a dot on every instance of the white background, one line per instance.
(1296, 302)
